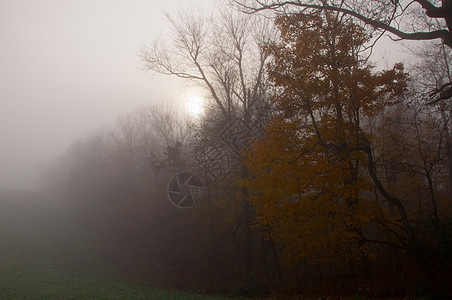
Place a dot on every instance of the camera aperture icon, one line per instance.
(185, 190)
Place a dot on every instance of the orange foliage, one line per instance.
(308, 174)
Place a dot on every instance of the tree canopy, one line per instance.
(315, 165)
(409, 20)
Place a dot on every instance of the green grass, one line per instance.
(28, 271)
(40, 259)
(34, 281)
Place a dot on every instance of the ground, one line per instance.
(43, 255)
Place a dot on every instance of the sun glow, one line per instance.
(194, 106)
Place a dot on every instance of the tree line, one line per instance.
(330, 169)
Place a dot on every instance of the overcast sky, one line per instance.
(68, 67)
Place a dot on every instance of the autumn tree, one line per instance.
(313, 169)
(420, 20)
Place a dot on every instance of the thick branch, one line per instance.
(431, 10)
(445, 35)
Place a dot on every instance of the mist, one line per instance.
(69, 68)
(211, 150)
(70, 80)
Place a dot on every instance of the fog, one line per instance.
(70, 75)
(68, 68)
(279, 159)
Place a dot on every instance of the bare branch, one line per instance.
(432, 11)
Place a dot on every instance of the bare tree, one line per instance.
(224, 54)
(429, 73)
(145, 135)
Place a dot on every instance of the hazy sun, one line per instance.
(194, 106)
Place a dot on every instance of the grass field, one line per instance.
(42, 258)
